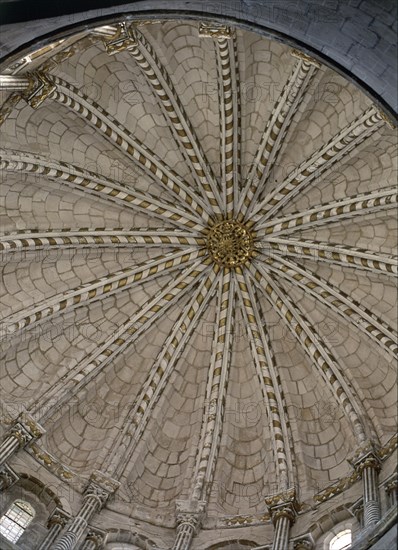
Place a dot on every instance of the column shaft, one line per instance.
(52, 534)
(185, 534)
(281, 537)
(371, 503)
(8, 447)
(69, 540)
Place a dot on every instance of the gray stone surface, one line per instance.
(359, 37)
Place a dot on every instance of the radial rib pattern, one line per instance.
(154, 385)
(324, 158)
(163, 87)
(277, 127)
(88, 369)
(315, 348)
(100, 288)
(132, 147)
(265, 367)
(33, 239)
(216, 389)
(347, 256)
(336, 211)
(229, 94)
(85, 181)
(339, 301)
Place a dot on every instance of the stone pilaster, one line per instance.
(7, 477)
(391, 489)
(56, 523)
(24, 431)
(97, 493)
(367, 463)
(283, 509)
(189, 515)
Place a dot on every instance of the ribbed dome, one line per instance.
(199, 295)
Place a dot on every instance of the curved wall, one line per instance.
(357, 37)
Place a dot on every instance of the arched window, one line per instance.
(14, 522)
(341, 541)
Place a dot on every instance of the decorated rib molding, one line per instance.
(333, 297)
(277, 127)
(100, 288)
(216, 391)
(139, 153)
(345, 255)
(316, 349)
(230, 121)
(264, 361)
(88, 182)
(133, 425)
(163, 88)
(324, 158)
(332, 212)
(82, 373)
(27, 240)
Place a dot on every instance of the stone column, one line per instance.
(23, 432)
(56, 522)
(97, 493)
(94, 539)
(13, 83)
(283, 508)
(189, 514)
(7, 477)
(391, 491)
(368, 464)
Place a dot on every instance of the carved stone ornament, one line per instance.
(304, 57)
(190, 512)
(96, 536)
(366, 457)
(122, 40)
(106, 482)
(7, 477)
(230, 243)
(58, 517)
(215, 30)
(283, 505)
(39, 90)
(305, 542)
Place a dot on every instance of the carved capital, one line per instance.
(96, 536)
(366, 457)
(304, 57)
(283, 505)
(123, 39)
(101, 486)
(39, 90)
(190, 512)
(21, 434)
(58, 517)
(215, 30)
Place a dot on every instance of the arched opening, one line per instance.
(341, 541)
(16, 519)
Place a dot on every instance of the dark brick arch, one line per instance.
(356, 37)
